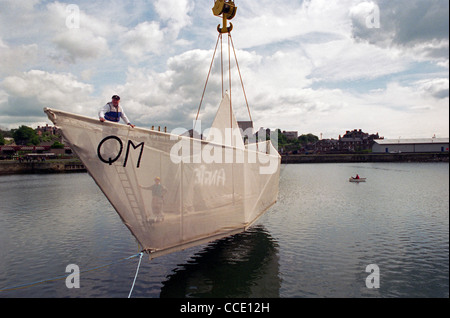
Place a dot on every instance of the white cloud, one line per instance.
(17, 57)
(18, 13)
(408, 24)
(158, 37)
(311, 66)
(27, 94)
(145, 38)
(436, 87)
(80, 38)
(81, 44)
(175, 13)
(345, 60)
(399, 110)
(169, 96)
(277, 21)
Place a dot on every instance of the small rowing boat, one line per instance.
(351, 179)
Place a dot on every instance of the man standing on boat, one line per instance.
(113, 112)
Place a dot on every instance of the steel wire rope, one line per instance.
(240, 77)
(206, 83)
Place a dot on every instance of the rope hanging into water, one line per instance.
(23, 286)
(135, 276)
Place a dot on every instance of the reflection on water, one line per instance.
(243, 265)
(315, 242)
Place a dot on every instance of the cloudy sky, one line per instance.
(314, 66)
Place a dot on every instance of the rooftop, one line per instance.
(412, 141)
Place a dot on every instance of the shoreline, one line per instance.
(8, 167)
(371, 157)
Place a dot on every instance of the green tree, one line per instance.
(2, 139)
(25, 135)
(57, 145)
(282, 140)
(309, 138)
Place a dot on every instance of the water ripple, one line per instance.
(315, 242)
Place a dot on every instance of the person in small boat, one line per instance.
(113, 112)
(158, 192)
(357, 176)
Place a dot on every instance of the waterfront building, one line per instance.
(247, 129)
(244, 125)
(290, 135)
(352, 141)
(52, 130)
(326, 146)
(411, 145)
(356, 140)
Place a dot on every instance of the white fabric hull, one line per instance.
(202, 200)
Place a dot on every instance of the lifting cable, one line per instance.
(230, 44)
(240, 76)
(206, 83)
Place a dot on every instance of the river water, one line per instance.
(317, 241)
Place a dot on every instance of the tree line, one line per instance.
(27, 136)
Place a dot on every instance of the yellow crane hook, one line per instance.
(227, 9)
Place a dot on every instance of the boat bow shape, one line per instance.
(172, 191)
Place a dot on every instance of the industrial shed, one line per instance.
(410, 145)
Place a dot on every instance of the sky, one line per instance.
(312, 66)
